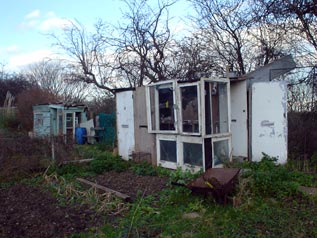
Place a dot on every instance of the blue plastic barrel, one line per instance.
(80, 134)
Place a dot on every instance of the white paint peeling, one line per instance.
(269, 122)
(125, 123)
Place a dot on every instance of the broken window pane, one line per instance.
(221, 152)
(193, 154)
(168, 150)
(189, 109)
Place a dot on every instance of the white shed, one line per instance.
(259, 112)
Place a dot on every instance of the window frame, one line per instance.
(149, 103)
(213, 150)
(182, 85)
(203, 105)
(191, 140)
(164, 163)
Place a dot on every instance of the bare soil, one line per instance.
(132, 184)
(31, 212)
(26, 212)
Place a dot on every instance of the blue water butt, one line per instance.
(80, 134)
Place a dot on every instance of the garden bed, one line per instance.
(26, 211)
(130, 183)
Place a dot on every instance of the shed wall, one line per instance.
(125, 123)
(269, 120)
(144, 141)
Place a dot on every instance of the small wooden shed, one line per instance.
(58, 119)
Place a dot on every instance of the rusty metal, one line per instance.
(219, 182)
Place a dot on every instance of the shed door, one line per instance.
(125, 123)
(239, 119)
(269, 120)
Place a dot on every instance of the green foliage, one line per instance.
(313, 160)
(105, 161)
(144, 169)
(183, 177)
(104, 146)
(271, 180)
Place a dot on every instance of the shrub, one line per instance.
(271, 180)
(144, 168)
(105, 161)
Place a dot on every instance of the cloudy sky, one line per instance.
(25, 25)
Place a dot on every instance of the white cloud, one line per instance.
(28, 24)
(50, 14)
(33, 14)
(12, 49)
(24, 59)
(54, 23)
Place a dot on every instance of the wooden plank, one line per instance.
(77, 161)
(123, 196)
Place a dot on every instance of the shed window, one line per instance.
(168, 150)
(193, 154)
(216, 108)
(162, 107)
(189, 100)
(69, 120)
(221, 152)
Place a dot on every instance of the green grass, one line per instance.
(270, 204)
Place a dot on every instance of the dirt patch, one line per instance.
(26, 212)
(131, 184)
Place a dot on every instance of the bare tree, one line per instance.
(143, 41)
(52, 76)
(89, 54)
(298, 16)
(189, 59)
(224, 24)
(235, 34)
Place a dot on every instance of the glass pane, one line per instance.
(60, 124)
(166, 108)
(221, 152)
(219, 108)
(223, 108)
(208, 122)
(168, 150)
(69, 120)
(193, 154)
(152, 108)
(189, 109)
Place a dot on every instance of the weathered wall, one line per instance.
(239, 118)
(125, 123)
(269, 120)
(302, 134)
(42, 121)
(144, 141)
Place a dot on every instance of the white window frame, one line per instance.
(163, 163)
(213, 150)
(182, 85)
(203, 105)
(192, 140)
(148, 107)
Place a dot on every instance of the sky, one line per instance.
(26, 24)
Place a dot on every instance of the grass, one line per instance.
(269, 202)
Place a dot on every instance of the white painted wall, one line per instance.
(125, 123)
(239, 117)
(269, 120)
